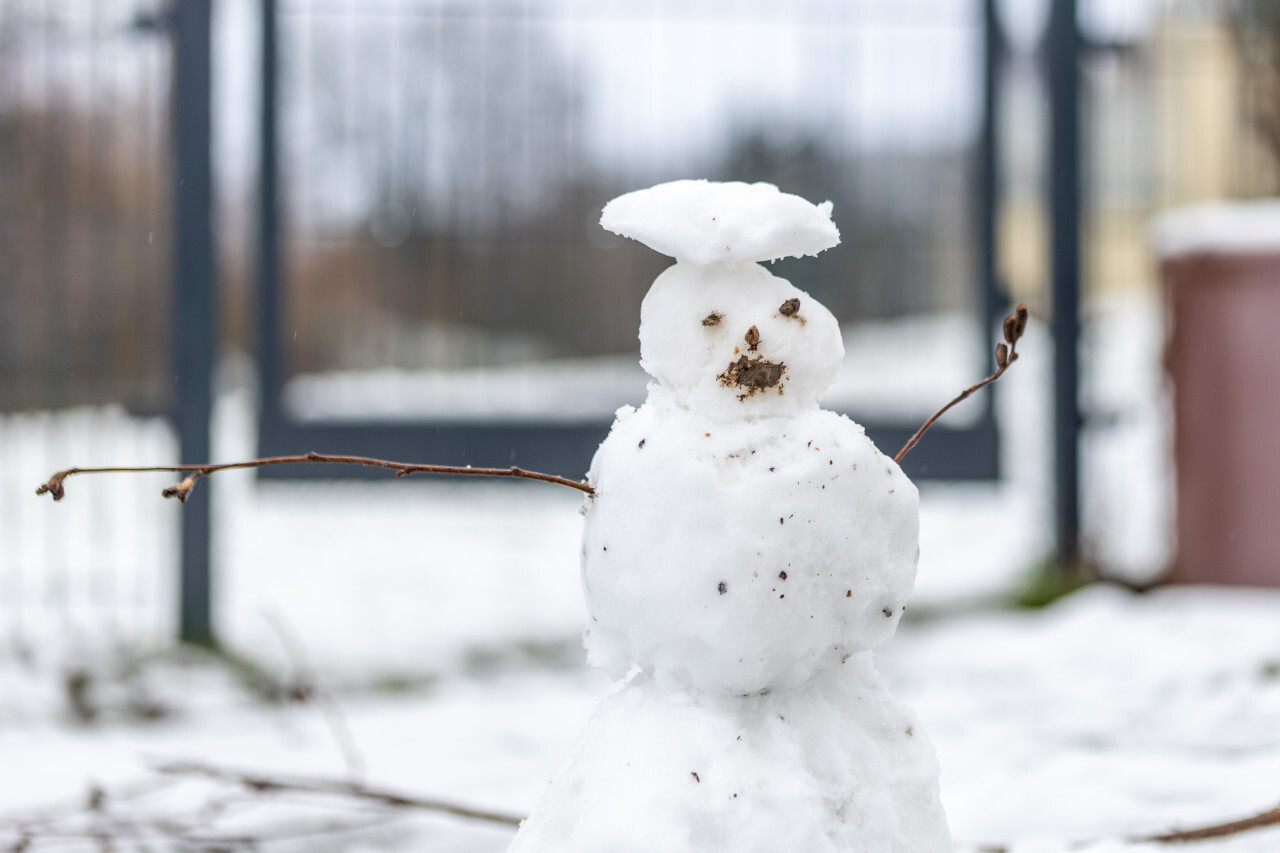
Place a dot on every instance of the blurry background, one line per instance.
(404, 260)
(432, 254)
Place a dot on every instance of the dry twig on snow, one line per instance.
(98, 818)
(1271, 817)
(307, 687)
(106, 828)
(108, 835)
(310, 785)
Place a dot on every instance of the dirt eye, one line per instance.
(712, 319)
(789, 308)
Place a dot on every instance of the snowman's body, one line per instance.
(743, 552)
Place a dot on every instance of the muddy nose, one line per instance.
(753, 338)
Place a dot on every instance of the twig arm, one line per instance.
(1006, 354)
(54, 485)
(964, 395)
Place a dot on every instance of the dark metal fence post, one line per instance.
(1065, 197)
(993, 299)
(270, 369)
(194, 300)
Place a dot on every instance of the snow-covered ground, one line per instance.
(1108, 715)
(443, 619)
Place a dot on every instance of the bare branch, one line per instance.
(181, 491)
(308, 688)
(298, 784)
(1006, 354)
(109, 833)
(1270, 817)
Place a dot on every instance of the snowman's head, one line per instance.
(717, 330)
(737, 342)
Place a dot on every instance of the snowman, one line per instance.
(743, 552)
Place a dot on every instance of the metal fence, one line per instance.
(442, 168)
(84, 207)
(85, 237)
(430, 177)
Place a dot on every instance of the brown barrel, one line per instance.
(1223, 356)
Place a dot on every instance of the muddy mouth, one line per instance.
(752, 375)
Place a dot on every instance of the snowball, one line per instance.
(703, 223)
(835, 767)
(743, 556)
(738, 343)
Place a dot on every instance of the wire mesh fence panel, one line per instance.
(84, 212)
(84, 249)
(98, 569)
(444, 165)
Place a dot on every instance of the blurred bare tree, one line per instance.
(1256, 29)
(444, 212)
(84, 229)
(901, 217)
(437, 188)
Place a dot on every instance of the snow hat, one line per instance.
(706, 222)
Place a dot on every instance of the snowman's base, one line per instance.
(836, 766)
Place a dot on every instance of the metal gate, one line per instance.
(293, 47)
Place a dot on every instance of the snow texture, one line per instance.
(836, 766)
(703, 223)
(1215, 227)
(1161, 714)
(792, 546)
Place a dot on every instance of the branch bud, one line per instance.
(54, 486)
(1002, 354)
(1011, 328)
(1020, 325)
(182, 490)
